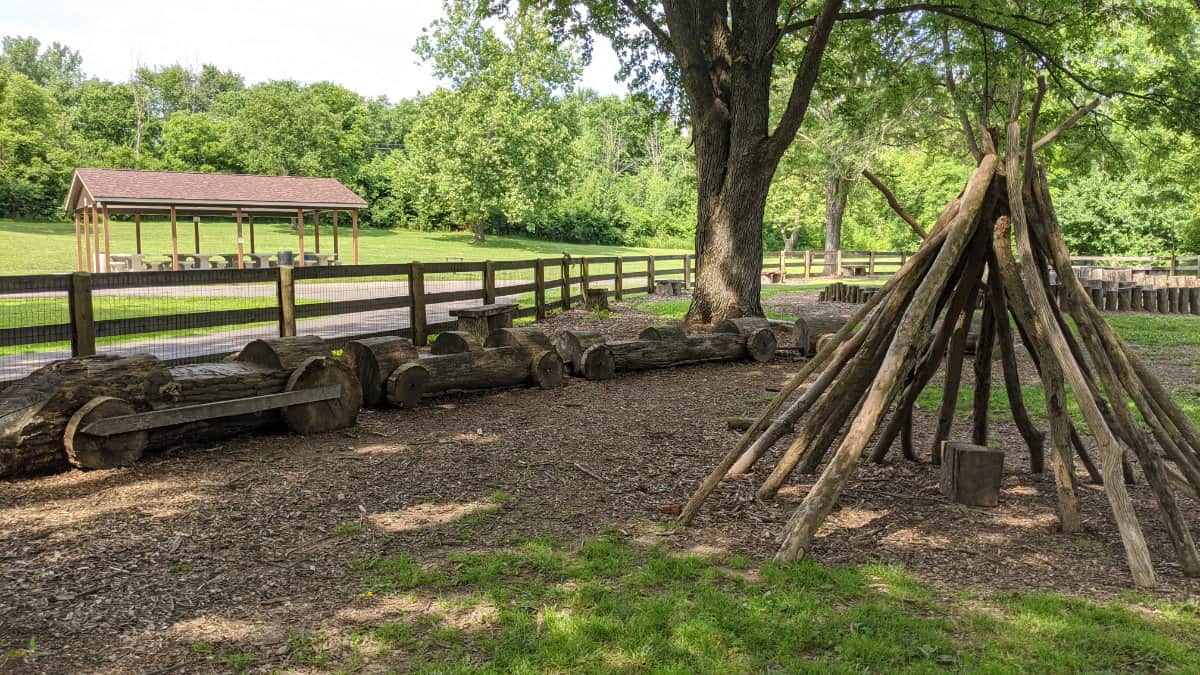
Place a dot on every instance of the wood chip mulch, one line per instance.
(250, 541)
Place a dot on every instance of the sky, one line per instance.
(364, 45)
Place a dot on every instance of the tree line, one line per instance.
(512, 144)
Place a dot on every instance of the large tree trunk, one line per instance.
(729, 241)
(837, 189)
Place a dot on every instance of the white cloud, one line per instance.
(365, 45)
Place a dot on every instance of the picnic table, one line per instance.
(200, 261)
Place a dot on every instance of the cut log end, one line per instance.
(321, 416)
(285, 353)
(406, 385)
(571, 345)
(102, 452)
(547, 370)
(597, 363)
(760, 345)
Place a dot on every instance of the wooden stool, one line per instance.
(668, 287)
(971, 473)
(484, 319)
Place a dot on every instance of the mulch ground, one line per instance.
(247, 541)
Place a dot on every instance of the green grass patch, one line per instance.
(609, 605)
(49, 247)
(1156, 331)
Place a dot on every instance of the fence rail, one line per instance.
(204, 315)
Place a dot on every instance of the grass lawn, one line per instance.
(609, 605)
(48, 247)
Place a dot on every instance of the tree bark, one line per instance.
(837, 190)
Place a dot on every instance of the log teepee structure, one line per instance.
(891, 348)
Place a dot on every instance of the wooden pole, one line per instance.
(137, 232)
(416, 292)
(78, 245)
(196, 232)
(335, 234)
(354, 231)
(174, 242)
(240, 251)
(285, 291)
(300, 232)
(87, 240)
(107, 251)
(96, 236)
(251, 216)
(83, 324)
(317, 230)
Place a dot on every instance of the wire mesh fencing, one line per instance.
(516, 283)
(187, 316)
(346, 302)
(34, 323)
(449, 285)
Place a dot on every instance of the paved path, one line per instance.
(224, 340)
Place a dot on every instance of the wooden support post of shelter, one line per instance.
(174, 242)
(87, 242)
(96, 237)
(251, 217)
(317, 230)
(354, 231)
(300, 234)
(78, 245)
(241, 261)
(137, 232)
(107, 248)
(335, 234)
(196, 233)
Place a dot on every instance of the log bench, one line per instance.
(591, 356)
(971, 474)
(668, 286)
(484, 319)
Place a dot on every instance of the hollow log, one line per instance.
(571, 345)
(454, 342)
(285, 353)
(373, 359)
(35, 410)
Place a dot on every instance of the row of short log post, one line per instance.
(1163, 300)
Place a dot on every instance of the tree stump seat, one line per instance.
(971, 474)
(773, 277)
(854, 270)
(595, 298)
(669, 286)
(483, 319)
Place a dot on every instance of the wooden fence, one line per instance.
(780, 265)
(178, 316)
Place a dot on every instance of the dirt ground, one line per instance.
(240, 544)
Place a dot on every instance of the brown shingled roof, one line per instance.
(131, 187)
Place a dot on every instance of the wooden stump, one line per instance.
(1149, 300)
(1194, 300)
(1135, 299)
(971, 474)
(1164, 301)
(285, 353)
(571, 345)
(1172, 300)
(456, 342)
(99, 452)
(595, 299)
(321, 416)
(406, 385)
(373, 359)
(668, 287)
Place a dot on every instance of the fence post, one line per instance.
(584, 284)
(539, 290)
(871, 263)
(416, 291)
(903, 259)
(649, 275)
(83, 320)
(286, 292)
(687, 270)
(783, 264)
(1174, 265)
(807, 262)
(837, 263)
(564, 283)
(618, 282)
(489, 282)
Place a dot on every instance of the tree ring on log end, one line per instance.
(760, 345)
(547, 369)
(597, 363)
(102, 452)
(320, 416)
(406, 385)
